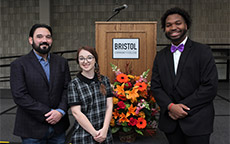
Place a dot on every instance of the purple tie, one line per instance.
(174, 48)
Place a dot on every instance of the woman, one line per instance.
(90, 98)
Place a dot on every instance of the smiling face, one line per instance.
(175, 28)
(41, 41)
(86, 61)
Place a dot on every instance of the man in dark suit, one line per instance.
(39, 83)
(184, 83)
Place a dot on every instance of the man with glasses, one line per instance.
(39, 83)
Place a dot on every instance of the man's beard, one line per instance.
(41, 50)
(179, 39)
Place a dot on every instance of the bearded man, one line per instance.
(39, 83)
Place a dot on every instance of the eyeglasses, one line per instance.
(88, 59)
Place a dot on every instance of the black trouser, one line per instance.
(178, 137)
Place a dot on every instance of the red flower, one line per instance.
(121, 105)
(132, 121)
(129, 85)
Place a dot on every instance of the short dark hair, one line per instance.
(35, 26)
(176, 10)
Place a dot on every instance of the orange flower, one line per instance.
(116, 113)
(122, 97)
(141, 86)
(131, 111)
(123, 118)
(136, 78)
(112, 122)
(142, 114)
(132, 95)
(153, 99)
(120, 89)
(141, 123)
(143, 94)
(115, 100)
(122, 78)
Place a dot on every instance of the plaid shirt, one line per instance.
(86, 92)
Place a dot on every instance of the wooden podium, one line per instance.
(126, 42)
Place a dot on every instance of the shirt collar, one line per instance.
(41, 58)
(183, 42)
(87, 80)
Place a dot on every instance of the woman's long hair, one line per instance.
(97, 69)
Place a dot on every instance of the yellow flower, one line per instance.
(131, 76)
(115, 100)
(142, 114)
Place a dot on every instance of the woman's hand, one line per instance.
(102, 134)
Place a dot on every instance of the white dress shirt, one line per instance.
(176, 55)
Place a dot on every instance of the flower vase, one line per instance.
(127, 137)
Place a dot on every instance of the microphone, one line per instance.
(117, 10)
(124, 6)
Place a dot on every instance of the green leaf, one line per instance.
(116, 83)
(114, 67)
(146, 105)
(127, 105)
(115, 129)
(145, 74)
(127, 129)
(139, 131)
(147, 112)
(124, 124)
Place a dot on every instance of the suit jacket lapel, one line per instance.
(170, 62)
(52, 70)
(182, 60)
(37, 65)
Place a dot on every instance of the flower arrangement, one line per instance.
(134, 106)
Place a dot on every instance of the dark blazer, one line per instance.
(35, 96)
(195, 85)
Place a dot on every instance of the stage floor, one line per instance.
(221, 125)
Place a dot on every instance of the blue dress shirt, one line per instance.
(46, 68)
